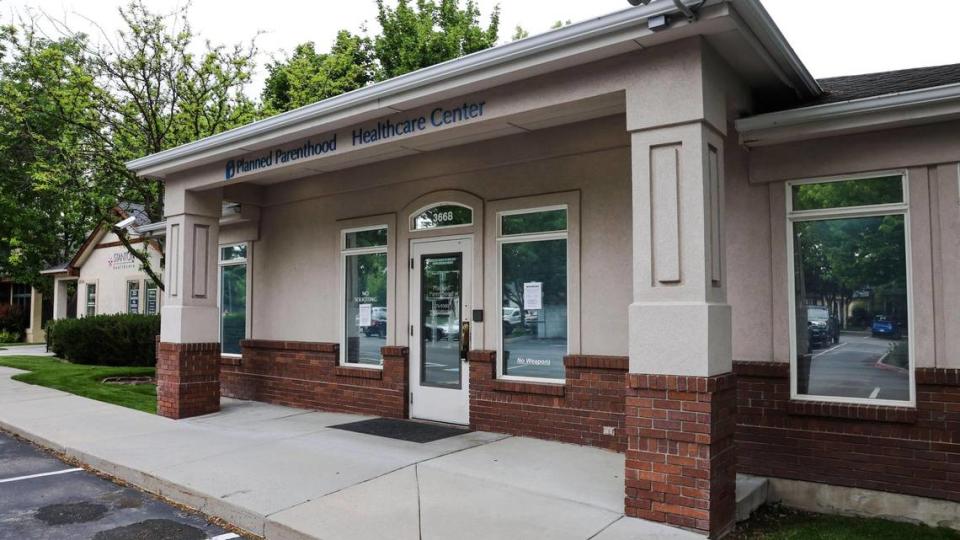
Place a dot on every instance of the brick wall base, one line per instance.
(681, 463)
(577, 411)
(188, 379)
(307, 375)
(913, 451)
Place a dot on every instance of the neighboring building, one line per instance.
(103, 277)
(31, 306)
(645, 232)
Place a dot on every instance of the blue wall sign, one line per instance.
(383, 131)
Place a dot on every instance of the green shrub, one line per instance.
(9, 337)
(106, 340)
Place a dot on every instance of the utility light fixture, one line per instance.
(123, 224)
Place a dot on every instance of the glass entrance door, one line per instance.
(440, 308)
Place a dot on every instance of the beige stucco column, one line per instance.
(189, 348)
(35, 333)
(680, 393)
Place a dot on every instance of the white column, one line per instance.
(189, 312)
(59, 299)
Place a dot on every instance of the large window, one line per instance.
(364, 264)
(533, 259)
(850, 301)
(233, 298)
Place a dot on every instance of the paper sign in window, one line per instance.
(366, 311)
(533, 295)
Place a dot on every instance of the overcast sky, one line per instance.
(832, 37)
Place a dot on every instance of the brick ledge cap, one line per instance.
(315, 346)
(853, 411)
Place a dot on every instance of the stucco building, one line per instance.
(103, 277)
(652, 232)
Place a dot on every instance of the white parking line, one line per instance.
(228, 536)
(873, 395)
(831, 349)
(41, 475)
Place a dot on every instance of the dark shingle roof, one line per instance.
(889, 82)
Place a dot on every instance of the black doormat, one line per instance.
(405, 430)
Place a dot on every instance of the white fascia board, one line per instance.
(772, 39)
(606, 31)
(890, 110)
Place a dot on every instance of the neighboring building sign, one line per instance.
(122, 260)
(361, 136)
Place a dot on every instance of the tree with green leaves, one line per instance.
(138, 92)
(308, 76)
(48, 198)
(413, 36)
(430, 33)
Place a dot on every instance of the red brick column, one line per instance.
(396, 374)
(681, 466)
(188, 379)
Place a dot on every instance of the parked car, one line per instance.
(378, 323)
(886, 326)
(511, 317)
(823, 328)
(443, 330)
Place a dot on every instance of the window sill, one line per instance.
(853, 411)
(230, 360)
(359, 372)
(542, 389)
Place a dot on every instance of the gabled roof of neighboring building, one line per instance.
(850, 87)
(122, 211)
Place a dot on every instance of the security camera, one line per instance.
(125, 223)
(639, 2)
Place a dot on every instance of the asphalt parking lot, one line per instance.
(849, 369)
(44, 498)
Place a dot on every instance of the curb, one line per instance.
(250, 523)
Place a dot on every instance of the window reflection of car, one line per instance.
(511, 317)
(886, 326)
(442, 331)
(822, 327)
(378, 322)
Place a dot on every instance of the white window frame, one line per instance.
(86, 298)
(144, 300)
(520, 238)
(220, 265)
(341, 310)
(140, 306)
(877, 210)
(413, 217)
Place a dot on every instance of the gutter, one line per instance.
(503, 56)
(926, 104)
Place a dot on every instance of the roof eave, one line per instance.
(540, 48)
(878, 112)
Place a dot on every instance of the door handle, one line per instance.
(464, 340)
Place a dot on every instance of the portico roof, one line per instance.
(740, 30)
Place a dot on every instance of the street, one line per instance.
(849, 369)
(43, 498)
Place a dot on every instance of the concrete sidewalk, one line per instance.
(283, 473)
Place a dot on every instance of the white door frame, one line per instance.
(441, 404)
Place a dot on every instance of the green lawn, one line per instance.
(778, 523)
(85, 380)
